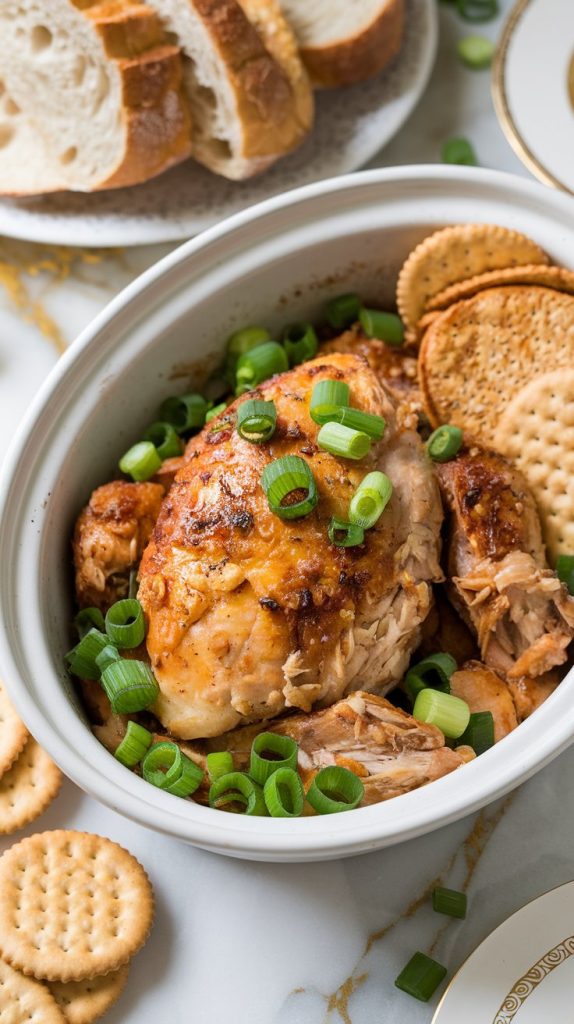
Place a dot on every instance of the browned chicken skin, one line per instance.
(248, 613)
(110, 536)
(395, 367)
(522, 614)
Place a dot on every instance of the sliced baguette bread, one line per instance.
(343, 42)
(250, 102)
(100, 91)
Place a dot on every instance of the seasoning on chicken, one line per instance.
(110, 536)
(396, 368)
(249, 613)
(484, 690)
(390, 751)
(522, 614)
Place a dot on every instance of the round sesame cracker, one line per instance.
(549, 277)
(27, 787)
(536, 430)
(72, 905)
(478, 354)
(82, 1002)
(455, 254)
(13, 732)
(23, 999)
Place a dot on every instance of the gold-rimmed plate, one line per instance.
(523, 973)
(533, 88)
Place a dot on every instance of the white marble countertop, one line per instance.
(308, 944)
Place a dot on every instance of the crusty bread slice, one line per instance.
(100, 88)
(250, 103)
(346, 41)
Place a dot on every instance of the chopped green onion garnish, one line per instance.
(216, 411)
(459, 151)
(343, 310)
(565, 571)
(130, 686)
(370, 499)
(237, 789)
(450, 714)
(141, 461)
(345, 535)
(82, 658)
(134, 745)
(421, 977)
(184, 412)
(339, 440)
(327, 398)
(165, 438)
(87, 619)
(108, 656)
(284, 794)
(335, 789)
(133, 584)
(270, 752)
(218, 764)
(259, 364)
(449, 901)
(300, 343)
(476, 52)
(167, 767)
(286, 478)
(238, 343)
(432, 673)
(444, 443)
(479, 733)
(477, 10)
(387, 327)
(125, 623)
(256, 420)
(370, 424)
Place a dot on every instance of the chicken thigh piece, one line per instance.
(396, 367)
(484, 690)
(249, 613)
(388, 749)
(521, 612)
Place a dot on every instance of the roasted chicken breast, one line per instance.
(248, 613)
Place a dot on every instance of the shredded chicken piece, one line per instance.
(484, 690)
(529, 694)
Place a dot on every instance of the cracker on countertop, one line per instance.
(22, 999)
(27, 787)
(13, 732)
(549, 277)
(83, 1002)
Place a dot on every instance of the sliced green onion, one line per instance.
(444, 443)
(345, 535)
(285, 478)
(335, 789)
(387, 327)
(479, 733)
(476, 52)
(432, 673)
(370, 499)
(135, 743)
(238, 343)
(184, 412)
(141, 461)
(300, 343)
(218, 764)
(108, 656)
(125, 623)
(82, 658)
(565, 571)
(237, 788)
(449, 901)
(133, 584)
(284, 794)
(459, 151)
(327, 398)
(130, 686)
(167, 767)
(87, 619)
(216, 411)
(477, 11)
(270, 752)
(421, 977)
(367, 422)
(165, 438)
(450, 714)
(256, 421)
(343, 441)
(259, 364)
(343, 310)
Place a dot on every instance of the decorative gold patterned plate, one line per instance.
(523, 973)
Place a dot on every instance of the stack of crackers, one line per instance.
(495, 324)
